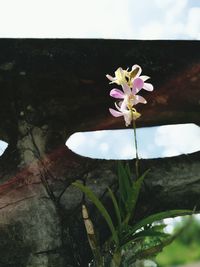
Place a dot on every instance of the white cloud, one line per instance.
(127, 19)
(170, 19)
(153, 30)
(178, 139)
(104, 147)
(193, 23)
(175, 9)
(65, 18)
(153, 142)
(76, 142)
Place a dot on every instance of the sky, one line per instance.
(113, 19)
(3, 146)
(153, 142)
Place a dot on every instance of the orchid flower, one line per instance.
(120, 77)
(138, 82)
(132, 82)
(128, 95)
(131, 78)
(128, 114)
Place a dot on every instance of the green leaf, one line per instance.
(133, 195)
(124, 183)
(130, 236)
(128, 171)
(100, 207)
(154, 248)
(158, 227)
(160, 216)
(151, 233)
(141, 236)
(117, 211)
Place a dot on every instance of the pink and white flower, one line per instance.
(128, 95)
(120, 77)
(132, 82)
(128, 114)
(132, 78)
(137, 81)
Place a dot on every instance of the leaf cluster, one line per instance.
(131, 241)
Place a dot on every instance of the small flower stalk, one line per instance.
(131, 82)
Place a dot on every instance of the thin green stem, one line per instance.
(116, 260)
(136, 151)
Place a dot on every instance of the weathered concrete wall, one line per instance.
(53, 88)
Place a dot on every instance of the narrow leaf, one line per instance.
(117, 211)
(134, 194)
(160, 216)
(151, 233)
(154, 250)
(100, 207)
(128, 171)
(141, 236)
(124, 183)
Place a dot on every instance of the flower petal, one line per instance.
(135, 91)
(148, 86)
(127, 117)
(120, 103)
(116, 93)
(139, 99)
(123, 104)
(120, 75)
(138, 83)
(126, 89)
(137, 70)
(117, 107)
(144, 77)
(115, 113)
(110, 77)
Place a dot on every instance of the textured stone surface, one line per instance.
(53, 88)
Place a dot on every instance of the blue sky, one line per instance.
(124, 19)
(114, 19)
(167, 19)
(153, 142)
(3, 146)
